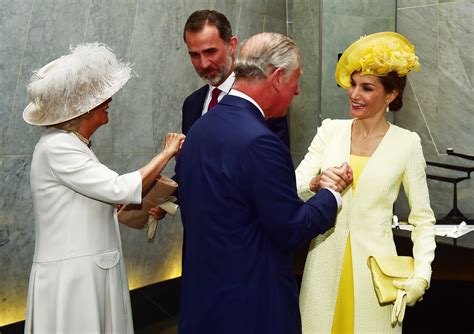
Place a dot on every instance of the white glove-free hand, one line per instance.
(414, 287)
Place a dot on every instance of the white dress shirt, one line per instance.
(225, 87)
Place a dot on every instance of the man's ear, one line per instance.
(277, 76)
(233, 45)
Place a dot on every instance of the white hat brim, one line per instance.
(34, 115)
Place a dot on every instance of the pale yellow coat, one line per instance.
(367, 214)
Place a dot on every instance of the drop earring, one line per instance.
(387, 109)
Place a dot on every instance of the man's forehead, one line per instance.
(201, 43)
(208, 32)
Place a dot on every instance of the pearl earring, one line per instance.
(387, 109)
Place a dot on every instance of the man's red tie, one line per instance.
(214, 95)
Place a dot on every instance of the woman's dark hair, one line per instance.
(200, 18)
(391, 82)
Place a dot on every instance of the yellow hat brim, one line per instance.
(350, 59)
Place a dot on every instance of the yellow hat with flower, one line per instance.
(377, 54)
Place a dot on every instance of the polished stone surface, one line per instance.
(304, 111)
(343, 23)
(438, 102)
(155, 308)
(146, 33)
(323, 29)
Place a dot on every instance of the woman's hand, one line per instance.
(409, 292)
(149, 172)
(157, 212)
(414, 287)
(336, 178)
(173, 143)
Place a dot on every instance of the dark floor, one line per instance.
(448, 307)
(155, 309)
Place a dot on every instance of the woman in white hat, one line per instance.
(337, 293)
(78, 281)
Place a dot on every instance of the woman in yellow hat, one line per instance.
(337, 293)
(78, 281)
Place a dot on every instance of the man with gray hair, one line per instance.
(239, 205)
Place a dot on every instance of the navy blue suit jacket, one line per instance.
(192, 110)
(242, 219)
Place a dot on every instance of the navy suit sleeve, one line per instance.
(279, 126)
(288, 220)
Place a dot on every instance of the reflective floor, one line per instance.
(156, 307)
(448, 307)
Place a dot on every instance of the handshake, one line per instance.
(335, 178)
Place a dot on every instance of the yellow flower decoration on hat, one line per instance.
(377, 54)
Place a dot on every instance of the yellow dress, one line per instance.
(343, 321)
(398, 161)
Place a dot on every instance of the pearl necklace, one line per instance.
(83, 139)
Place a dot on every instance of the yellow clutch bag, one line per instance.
(384, 270)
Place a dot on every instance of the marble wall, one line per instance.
(305, 23)
(438, 100)
(146, 33)
(323, 29)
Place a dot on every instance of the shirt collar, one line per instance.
(226, 86)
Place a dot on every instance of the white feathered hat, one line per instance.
(74, 84)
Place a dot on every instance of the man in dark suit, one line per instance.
(211, 47)
(239, 205)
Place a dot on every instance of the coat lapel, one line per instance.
(376, 161)
(339, 148)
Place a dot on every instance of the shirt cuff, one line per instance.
(337, 196)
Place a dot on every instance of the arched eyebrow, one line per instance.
(363, 83)
(205, 51)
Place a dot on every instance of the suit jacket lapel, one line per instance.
(192, 108)
(198, 103)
